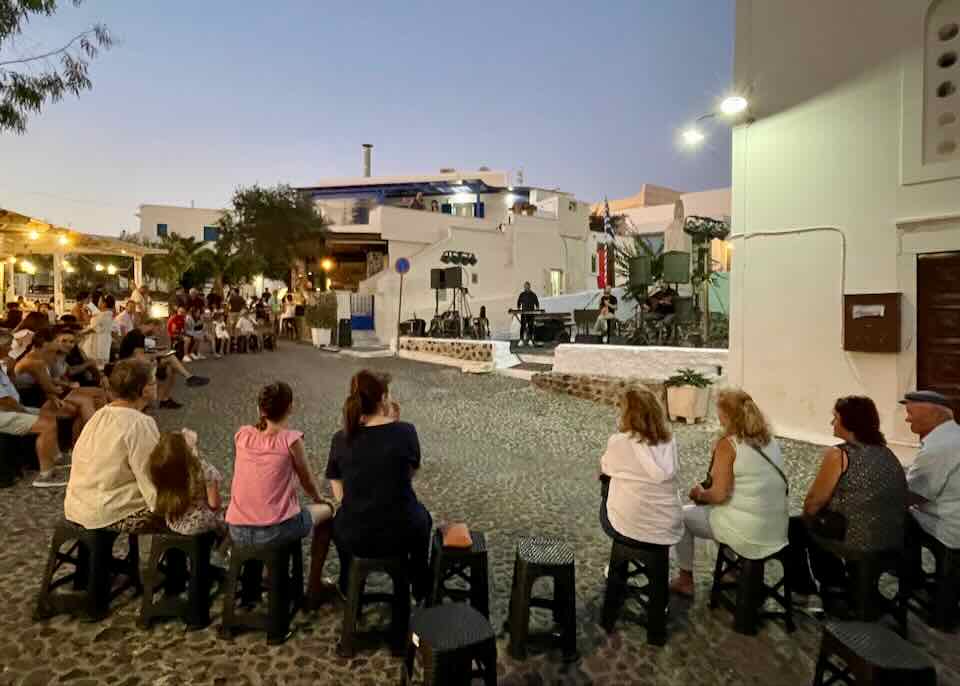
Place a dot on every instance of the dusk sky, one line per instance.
(198, 98)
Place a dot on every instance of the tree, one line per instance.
(28, 83)
(227, 261)
(271, 227)
(180, 258)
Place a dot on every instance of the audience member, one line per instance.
(288, 317)
(126, 320)
(96, 345)
(194, 336)
(37, 387)
(176, 325)
(110, 483)
(80, 310)
(371, 466)
(641, 504)
(14, 315)
(188, 487)
(168, 367)
(221, 334)
(855, 504)
(743, 501)
(264, 508)
(141, 296)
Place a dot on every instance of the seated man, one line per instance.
(934, 477)
(134, 345)
(247, 332)
(17, 420)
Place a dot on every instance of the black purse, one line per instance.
(830, 524)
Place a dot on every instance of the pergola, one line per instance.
(23, 235)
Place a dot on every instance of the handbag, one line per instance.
(831, 524)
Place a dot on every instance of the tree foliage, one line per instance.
(28, 83)
(638, 245)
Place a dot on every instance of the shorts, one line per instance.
(17, 423)
(291, 529)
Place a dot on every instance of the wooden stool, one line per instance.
(177, 564)
(872, 655)
(651, 561)
(467, 564)
(936, 594)
(450, 638)
(398, 569)
(543, 557)
(752, 591)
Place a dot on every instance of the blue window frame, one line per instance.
(161, 230)
(211, 233)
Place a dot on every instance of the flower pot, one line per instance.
(689, 402)
(321, 337)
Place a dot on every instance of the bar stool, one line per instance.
(178, 563)
(651, 561)
(752, 591)
(870, 655)
(398, 569)
(937, 594)
(467, 564)
(450, 638)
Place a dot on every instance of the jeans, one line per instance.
(696, 524)
(291, 529)
(526, 327)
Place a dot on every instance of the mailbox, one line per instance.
(871, 323)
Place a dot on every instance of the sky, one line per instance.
(199, 98)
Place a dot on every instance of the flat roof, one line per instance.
(492, 178)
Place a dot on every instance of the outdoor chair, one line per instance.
(751, 590)
(179, 564)
(284, 563)
(627, 563)
(94, 570)
(536, 558)
(398, 569)
(469, 565)
(865, 602)
(936, 594)
(450, 639)
(870, 655)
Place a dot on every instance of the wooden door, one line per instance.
(938, 324)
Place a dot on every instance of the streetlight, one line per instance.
(327, 265)
(692, 136)
(731, 106)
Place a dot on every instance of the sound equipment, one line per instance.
(454, 277)
(640, 271)
(676, 267)
(438, 279)
(345, 334)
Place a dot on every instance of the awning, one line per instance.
(23, 235)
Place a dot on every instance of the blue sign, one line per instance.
(402, 265)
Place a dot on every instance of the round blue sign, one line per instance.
(402, 265)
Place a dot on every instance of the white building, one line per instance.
(158, 221)
(847, 182)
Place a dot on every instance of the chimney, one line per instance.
(367, 151)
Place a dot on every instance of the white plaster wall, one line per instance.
(825, 152)
(187, 222)
(649, 363)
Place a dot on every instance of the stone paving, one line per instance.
(505, 457)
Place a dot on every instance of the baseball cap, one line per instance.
(931, 397)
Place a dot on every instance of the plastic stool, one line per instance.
(751, 589)
(467, 564)
(450, 638)
(651, 561)
(178, 563)
(872, 655)
(398, 569)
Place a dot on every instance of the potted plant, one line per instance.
(322, 319)
(688, 395)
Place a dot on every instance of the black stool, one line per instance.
(752, 591)
(94, 571)
(467, 564)
(450, 638)
(936, 593)
(651, 561)
(872, 655)
(177, 564)
(866, 602)
(284, 563)
(398, 569)
(543, 557)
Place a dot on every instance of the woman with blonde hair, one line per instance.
(641, 504)
(743, 501)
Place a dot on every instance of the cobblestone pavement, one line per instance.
(507, 458)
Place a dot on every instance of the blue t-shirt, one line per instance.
(376, 467)
(7, 389)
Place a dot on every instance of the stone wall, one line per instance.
(471, 351)
(604, 389)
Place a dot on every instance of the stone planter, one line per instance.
(689, 402)
(321, 337)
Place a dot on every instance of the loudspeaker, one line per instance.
(454, 277)
(676, 267)
(438, 278)
(640, 272)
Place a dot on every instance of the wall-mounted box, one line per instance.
(871, 323)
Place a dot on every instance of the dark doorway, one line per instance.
(938, 324)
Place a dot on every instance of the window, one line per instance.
(593, 263)
(556, 282)
(211, 233)
(161, 230)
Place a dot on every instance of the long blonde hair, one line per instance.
(642, 416)
(176, 474)
(744, 418)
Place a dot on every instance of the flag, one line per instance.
(607, 222)
(601, 266)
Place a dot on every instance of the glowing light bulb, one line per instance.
(63, 240)
(735, 104)
(34, 235)
(692, 136)
(111, 270)
(98, 267)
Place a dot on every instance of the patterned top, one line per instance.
(872, 494)
(200, 518)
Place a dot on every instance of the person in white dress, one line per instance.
(96, 344)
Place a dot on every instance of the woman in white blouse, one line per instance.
(96, 345)
(641, 504)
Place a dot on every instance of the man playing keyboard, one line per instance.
(527, 301)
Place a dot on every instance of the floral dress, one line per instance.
(200, 518)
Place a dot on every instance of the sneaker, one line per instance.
(520, 344)
(56, 477)
(170, 404)
(198, 356)
(187, 358)
(217, 356)
(195, 380)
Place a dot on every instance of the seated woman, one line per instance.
(60, 369)
(371, 466)
(264, 508)
(856, 503)
(641, 504)
(110, 483)
(743, 502)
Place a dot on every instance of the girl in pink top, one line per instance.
(264, 508)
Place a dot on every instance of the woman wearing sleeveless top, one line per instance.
(743, 502)
(862, 482)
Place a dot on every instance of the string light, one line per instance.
(111, 270)
(34, 235)
(98, 267)
(63, 240)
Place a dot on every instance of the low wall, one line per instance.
(495, 353)
(633, 362)
(603, 389)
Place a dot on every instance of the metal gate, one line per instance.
(361, 312)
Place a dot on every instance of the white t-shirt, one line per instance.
(123, 324)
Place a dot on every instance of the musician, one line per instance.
(660, 307)
(608, 313)
(527, 301)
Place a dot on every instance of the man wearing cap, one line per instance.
(934, 477)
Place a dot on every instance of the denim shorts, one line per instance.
(291, 529)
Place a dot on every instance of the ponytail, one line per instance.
(367, 391)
